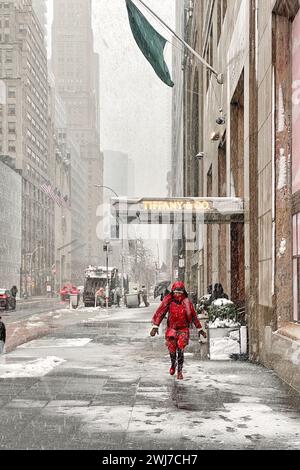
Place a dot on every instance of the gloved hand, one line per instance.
(202, 333)
(154, 331)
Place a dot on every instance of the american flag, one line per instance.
(53, 194)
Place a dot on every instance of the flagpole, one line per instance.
(219, 76)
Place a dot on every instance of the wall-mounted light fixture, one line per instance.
(215, 136)
(200, 156)
(221, 120)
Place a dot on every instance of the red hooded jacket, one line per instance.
(181, 311)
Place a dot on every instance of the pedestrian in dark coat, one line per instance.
(218, 293)
(2, 336)
(181, 314)
(14, 291)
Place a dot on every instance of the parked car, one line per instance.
(7, 301)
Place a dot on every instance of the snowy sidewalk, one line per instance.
(98, 381)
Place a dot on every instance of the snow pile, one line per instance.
(89, 309)
(226, 323)
(36, 368)
(221, 348)
(221, 302)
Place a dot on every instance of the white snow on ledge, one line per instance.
(222, 302)
(37, 368)
(56, 343)
(218, 323)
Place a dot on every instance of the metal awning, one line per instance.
(158, 211)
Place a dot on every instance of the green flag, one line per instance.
(150, 42)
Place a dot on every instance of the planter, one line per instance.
(227, 341)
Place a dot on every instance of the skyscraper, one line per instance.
(76, 71)
(24, 134)
(40, 9)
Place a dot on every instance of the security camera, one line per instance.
(221, 121)
(199, 155)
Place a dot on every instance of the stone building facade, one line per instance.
(24, 134)
(10, 227)
(251, 153)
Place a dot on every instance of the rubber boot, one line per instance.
(173, 363)
(180, 364)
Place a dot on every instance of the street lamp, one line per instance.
(122, 235)
(105, 248)
(106, 187)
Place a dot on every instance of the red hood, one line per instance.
(178, 285)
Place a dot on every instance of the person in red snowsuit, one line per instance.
(181, 314)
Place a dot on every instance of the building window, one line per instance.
(296, 266)
(9, 57)
(11, 127)
(11, 109)
(11, 92)
(11, 146)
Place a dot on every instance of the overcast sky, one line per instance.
(135, 103)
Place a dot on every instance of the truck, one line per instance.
(96, 277)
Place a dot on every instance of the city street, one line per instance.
(95, 379)
(25, 308)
